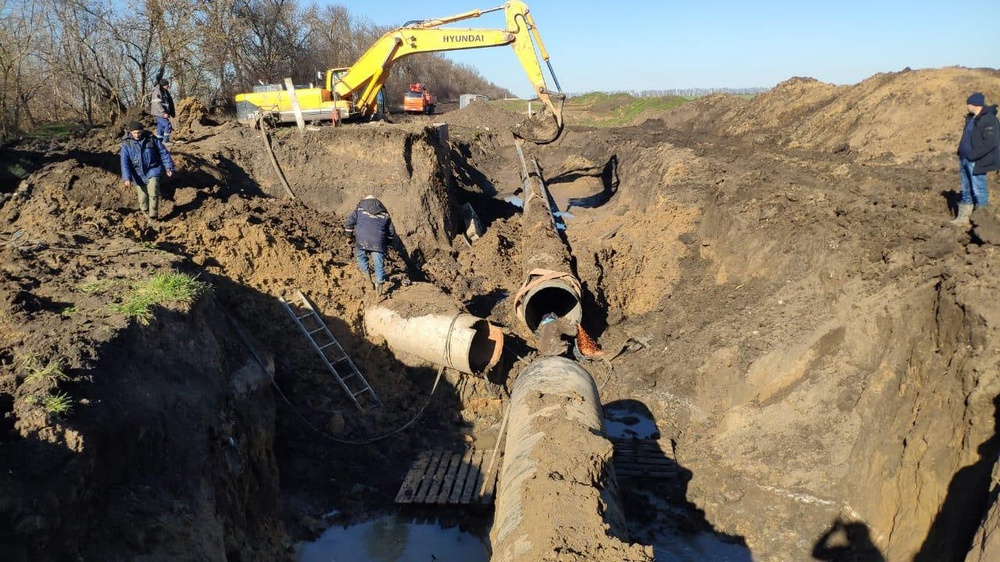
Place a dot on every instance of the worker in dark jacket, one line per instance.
(978, 153)
(162, 107)
(144, 160)
(372, 228)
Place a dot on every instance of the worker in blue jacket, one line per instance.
(978, 153)
(144, 160)
(372, 228)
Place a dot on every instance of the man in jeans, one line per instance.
(162, 107)
(144, 159)
(371, 226)
(978, 153)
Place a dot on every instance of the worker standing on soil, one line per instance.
(978, 153)
(372, 228)
(144, 159)
(162, 107)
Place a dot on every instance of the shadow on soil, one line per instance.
(654, 491)
(970, 495)
(340, 465)
(847, 542)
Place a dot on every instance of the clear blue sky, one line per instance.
(637, 45)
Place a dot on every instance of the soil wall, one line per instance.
(167, 453)
(863, 386)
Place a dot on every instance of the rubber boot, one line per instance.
(378, 289)
(964, 212)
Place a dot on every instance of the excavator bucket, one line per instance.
(544, 126)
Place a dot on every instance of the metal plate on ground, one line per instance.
(645, 458)
(449, 477)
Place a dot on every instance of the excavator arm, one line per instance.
(366, 77)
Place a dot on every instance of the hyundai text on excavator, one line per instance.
(355, 93)
(419, 100)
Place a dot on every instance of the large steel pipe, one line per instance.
(549, 286)
(557, 492)
(421, 325)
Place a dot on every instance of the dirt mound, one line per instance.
(192, 120)
(485, 117)
(704, 115)
(900, 117)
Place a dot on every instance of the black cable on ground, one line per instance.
(371, 439)
(17, 241)
(263, 365)
(273, 158)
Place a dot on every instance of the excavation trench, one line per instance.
(424, 327)
(816, 352)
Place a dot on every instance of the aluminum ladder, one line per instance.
(334, 357)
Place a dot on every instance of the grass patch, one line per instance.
(96, 287)
(168, 287)
(58, 404)
(621, 109)
(599, 101)
(56, 130)
(69, 311)
(599, 109)
(13, 169)
(514, 106)
(52, 370)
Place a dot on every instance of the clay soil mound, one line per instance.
(773, 280)
(903, 117)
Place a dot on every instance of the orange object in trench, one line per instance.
(587, 346)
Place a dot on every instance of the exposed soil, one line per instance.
(815, 342)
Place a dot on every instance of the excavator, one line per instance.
(355, 93)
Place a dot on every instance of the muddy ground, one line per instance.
(819, 347)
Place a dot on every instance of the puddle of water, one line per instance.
(514, 200)
(519, 203)
(394, 539)
(631, 427)
(625, 421)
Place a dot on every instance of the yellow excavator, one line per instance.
(355, 92)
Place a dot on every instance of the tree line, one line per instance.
(96, 61)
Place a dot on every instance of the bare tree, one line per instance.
(221, 30)
(20, 79)
(95, 61)
(98, 60)
(274, 38)
(175, 24)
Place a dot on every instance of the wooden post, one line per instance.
(295, 103)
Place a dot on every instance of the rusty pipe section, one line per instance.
(549, 284)
(421, 325)
(557, 490)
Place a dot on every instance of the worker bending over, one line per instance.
(372, 228)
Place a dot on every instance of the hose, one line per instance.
(270, 154)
